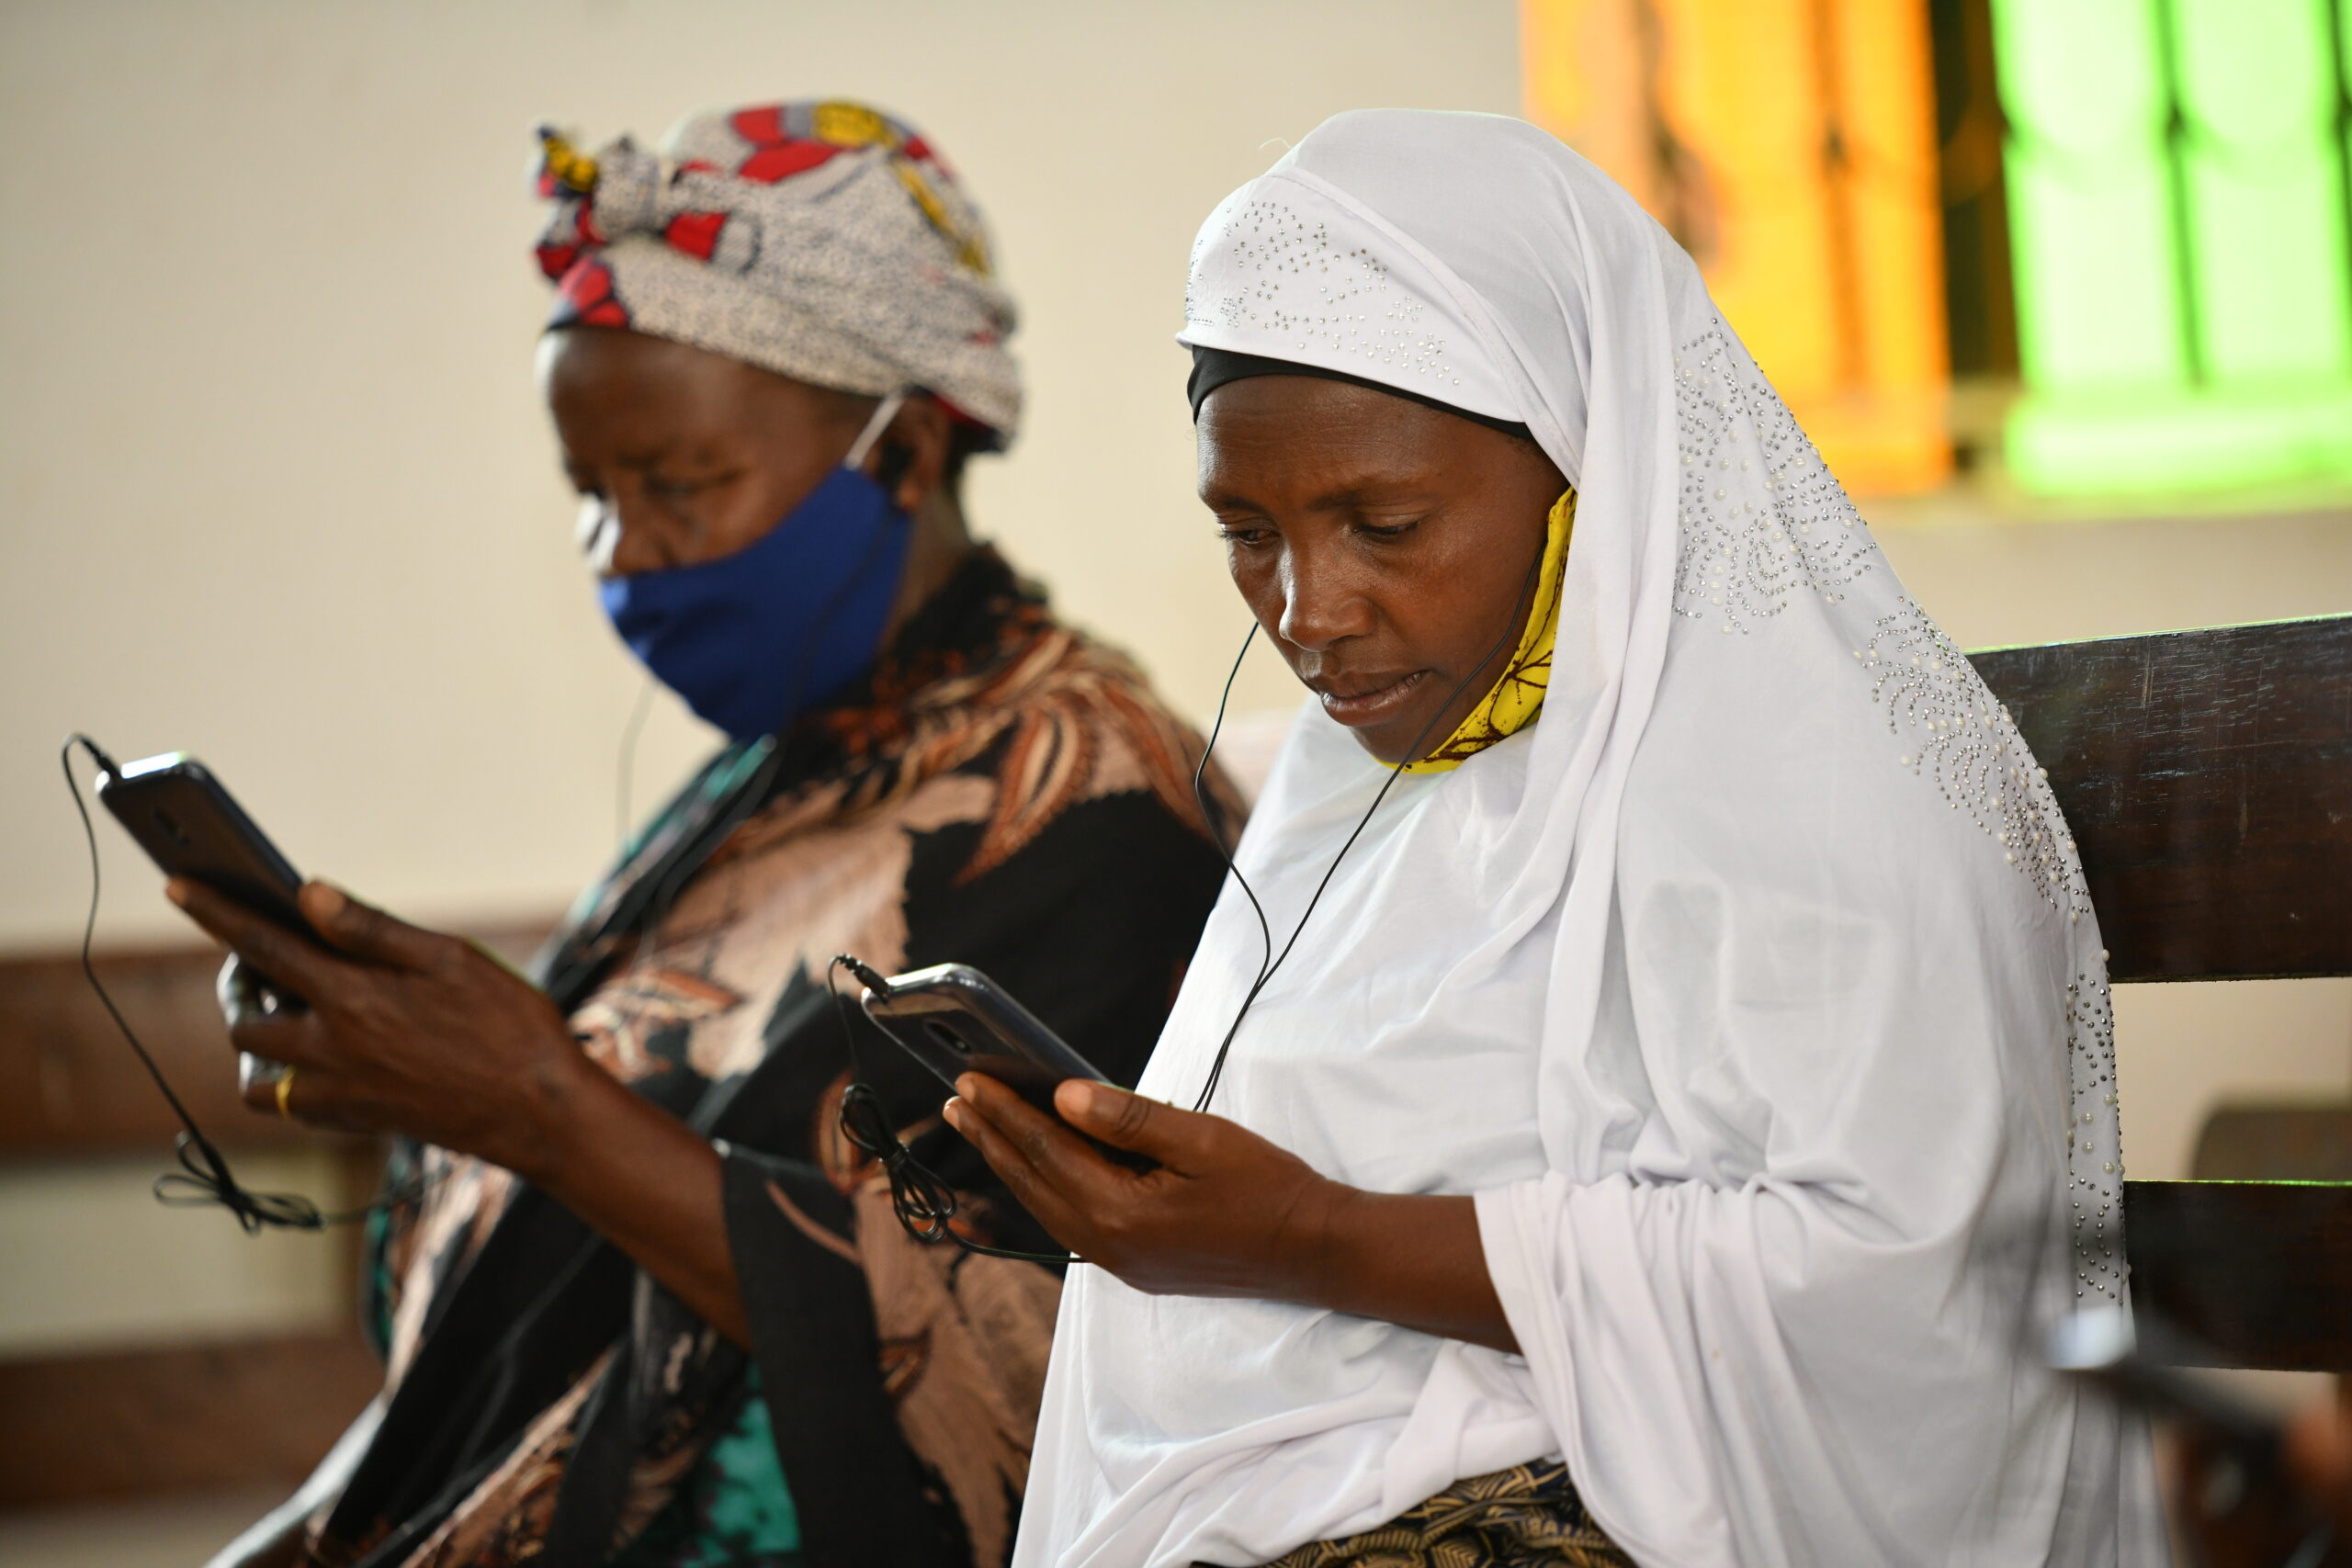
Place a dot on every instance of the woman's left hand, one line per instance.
(406, 1030)
(1226, 1213)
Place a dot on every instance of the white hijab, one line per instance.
(1754, 992)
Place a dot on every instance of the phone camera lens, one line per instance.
(946, 1036)
(170, 824)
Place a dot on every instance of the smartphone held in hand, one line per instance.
(190, 825)
(954, 1020)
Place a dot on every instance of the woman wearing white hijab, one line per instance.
(1682, 1116)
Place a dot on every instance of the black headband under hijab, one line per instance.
(1212, 367)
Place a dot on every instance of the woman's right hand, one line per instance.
(1229, 1213)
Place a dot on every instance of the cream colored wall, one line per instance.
(276, 490)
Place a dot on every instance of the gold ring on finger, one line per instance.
(285, 1094)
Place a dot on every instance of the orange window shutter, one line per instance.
(1790, 144)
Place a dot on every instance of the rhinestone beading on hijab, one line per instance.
(821, 240)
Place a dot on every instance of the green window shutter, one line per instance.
(2264, 190)
(2090, 210)
(2179, 215)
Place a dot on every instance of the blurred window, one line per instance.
(2177, 199)
(2140, 207)
(1791, 146)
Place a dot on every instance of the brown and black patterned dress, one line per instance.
(1000, 792)
(1527, 1517)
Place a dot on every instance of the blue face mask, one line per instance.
(753, 639)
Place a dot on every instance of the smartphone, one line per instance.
(192, 827)
(954, 1020)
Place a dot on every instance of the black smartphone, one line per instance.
(192, 827)
(954, 1020)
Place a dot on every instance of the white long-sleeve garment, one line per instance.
(1754, 992)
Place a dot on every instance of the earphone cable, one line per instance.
(625, 780)
(1214, 818)
(1267, 968)
(755, 794)
(925, 1205)
(204, 1178)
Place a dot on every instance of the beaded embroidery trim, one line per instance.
(2095, 1174)
(1952, 729)
(1304, 286)
(1741, 562)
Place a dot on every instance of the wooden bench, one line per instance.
(218, 1414)
(2207, 776)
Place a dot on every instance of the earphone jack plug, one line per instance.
(866, 974)
(107, 764)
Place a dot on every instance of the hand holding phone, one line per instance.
(954, 1020)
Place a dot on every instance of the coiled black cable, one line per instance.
(204, 1178)
(925, 1204)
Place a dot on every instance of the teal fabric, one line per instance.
(733, 1510)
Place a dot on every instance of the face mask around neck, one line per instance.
(753, 639)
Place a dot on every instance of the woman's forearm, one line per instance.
(651, 1184)
(1411, 1261)
(1228, 1213)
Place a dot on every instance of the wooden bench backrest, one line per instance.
(216, 1415)
(2208, 779)
(2207, 776)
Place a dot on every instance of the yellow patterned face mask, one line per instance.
(1518, 694)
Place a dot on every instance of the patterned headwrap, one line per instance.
(823, 241)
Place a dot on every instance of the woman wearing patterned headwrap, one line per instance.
(641, 1300)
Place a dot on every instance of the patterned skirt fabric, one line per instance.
(1526, 1517)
